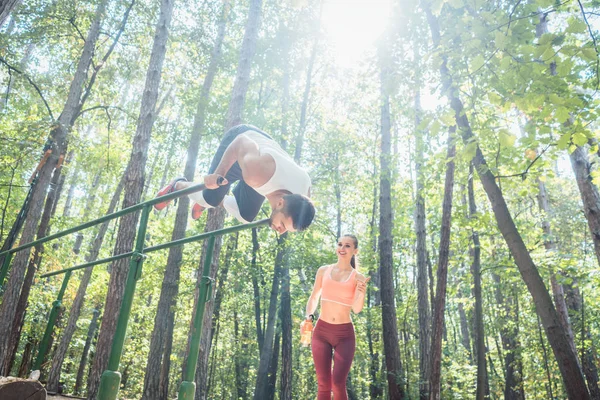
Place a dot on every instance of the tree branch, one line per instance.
(594, 41)
(11, 68)
(547, 11)
(524, 173)
(88, 88)
(105, 108)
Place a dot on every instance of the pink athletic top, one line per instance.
(338, 292)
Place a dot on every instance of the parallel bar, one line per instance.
(187, 390)
(89, 264)
(111, 378)
(108, 217)
(205, 235)
(56, 305)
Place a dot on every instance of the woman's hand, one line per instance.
(361, 283)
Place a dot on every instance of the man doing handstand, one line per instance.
(263, 169)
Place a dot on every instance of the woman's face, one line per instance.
(345, 248)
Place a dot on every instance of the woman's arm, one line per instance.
(359, 296)
(313, 300)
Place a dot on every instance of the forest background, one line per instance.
(457, 139)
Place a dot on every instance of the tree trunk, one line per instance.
(393, 363)
(589, 195)
(422, 273)
(242, 79)
(442, 273)
(6, 7)
(465, 339)
(274, 363)
(567, 360)
(262, 384)
(27, 358)
(255, 271)
(216, 217)
(509, 330)
(86, 349)
(155, 372)
(483, 385)
(574, 301)
(33, 265)
(239, 359)
(134, 183)
(57, 146)
(67, 333)
(307, 87)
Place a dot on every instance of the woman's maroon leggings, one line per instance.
(340, 339)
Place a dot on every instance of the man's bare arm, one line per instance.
(239, 149)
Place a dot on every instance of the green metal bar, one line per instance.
(205, 235)
(111, 378)
(56, 305)
(108, 217)
(187, 390)
(87, 265)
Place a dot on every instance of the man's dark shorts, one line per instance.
(249, 200)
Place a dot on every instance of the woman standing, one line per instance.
(341, 289)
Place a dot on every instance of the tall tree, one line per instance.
(134, 184)
(216, 216)
(56, 147)
(156, 380)
(262, 385)
(567, 360)
(483, 388)
(393, 363)
(439, 306)
(421, 248)
(69, 330)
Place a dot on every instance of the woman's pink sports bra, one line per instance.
(338, 292)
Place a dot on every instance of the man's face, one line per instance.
(281, 222)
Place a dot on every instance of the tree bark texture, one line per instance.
(262, 381)
(242, 79)
(395, 377)
(86, 350)
(33, 265)
(134, 184)
(58, 146)
(574, 301)
(567, 361)
(6, 7)
(442, 273)
(155, 372)
(483, 386)
(69, 330)
(216, 217)
(422, 273)
(509, 330)
(589, 195)
(306, 94)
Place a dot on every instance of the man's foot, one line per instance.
(197, 210)
(170, 188)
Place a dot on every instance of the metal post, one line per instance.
(187, 390)
(111, 378)
(56, 305)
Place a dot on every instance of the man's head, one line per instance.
(293, 213)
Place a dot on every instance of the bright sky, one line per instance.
(353, 26)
